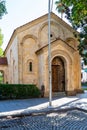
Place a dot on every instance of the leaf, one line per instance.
(2, 8)
(76, 13)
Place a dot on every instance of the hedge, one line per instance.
(84, 83)
(18, 91)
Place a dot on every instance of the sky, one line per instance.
(21, 12)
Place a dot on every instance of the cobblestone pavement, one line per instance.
(69, 120)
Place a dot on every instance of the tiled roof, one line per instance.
(3, 61)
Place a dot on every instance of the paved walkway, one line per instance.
(69, 120)
(17, 107)
(39, 116)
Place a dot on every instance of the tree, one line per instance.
(2, 12)
(2, 8)
(60, 7)
(76, 12)
(1, 42)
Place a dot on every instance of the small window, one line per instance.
(30, 66)
(51, 35)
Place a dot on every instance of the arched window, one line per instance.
(30, 66)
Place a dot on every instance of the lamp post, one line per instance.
(49, 55)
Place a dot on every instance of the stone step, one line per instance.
(58, 94)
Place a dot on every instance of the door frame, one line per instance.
(59, 70)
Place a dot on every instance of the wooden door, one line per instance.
(58, 75)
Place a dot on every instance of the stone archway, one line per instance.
(58, 75)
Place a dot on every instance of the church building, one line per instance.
(26, 56)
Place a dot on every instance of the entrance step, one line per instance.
(58, 94)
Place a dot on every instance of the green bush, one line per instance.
(18, 91)
(84, 84)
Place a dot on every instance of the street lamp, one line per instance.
(49, 54)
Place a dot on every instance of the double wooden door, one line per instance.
(58, 75)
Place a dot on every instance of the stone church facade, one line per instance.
(27, 56)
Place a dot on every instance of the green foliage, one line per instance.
(60, 7)
(84, 84)
(1, 38)
(75, 10)
(1, 42)
(1, 52)
(1, 77)
(76, 13)
(2, 8)
(18, 91)
(2, 12)
(83, 44)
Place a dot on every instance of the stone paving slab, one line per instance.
(26, 106)
(66, 113)
(69, 120)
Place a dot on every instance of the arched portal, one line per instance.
(58, 75)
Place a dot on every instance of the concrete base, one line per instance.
(79, 90)
(67, 93)
(58, 94)
(70, 93)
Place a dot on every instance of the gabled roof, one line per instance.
(54, 42)
(3, 61)
(34, 22)
(41, 18)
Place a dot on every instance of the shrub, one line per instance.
(84, 83)
(18, 91)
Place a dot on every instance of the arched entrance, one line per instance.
(58, 75)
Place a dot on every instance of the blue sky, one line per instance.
(21, 12)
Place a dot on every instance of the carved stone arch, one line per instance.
(67, 62)
(58, 74)
(72, 42)
(25, 51)
(39, 34)
(56, 32)
(28, 36)
(46, 23)
(29, 65)
(63, 54)
(27, 42)
(28, 58)
(26, 63)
